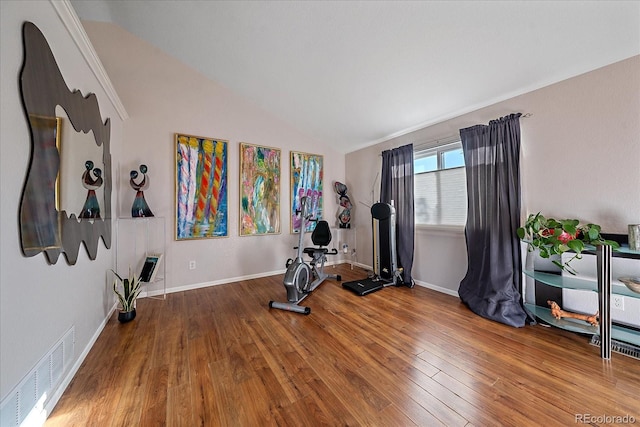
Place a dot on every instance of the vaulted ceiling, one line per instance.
(354, 73)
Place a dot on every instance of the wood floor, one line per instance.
(219, 356)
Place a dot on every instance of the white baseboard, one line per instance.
(57, 394)
(214, 283)
(437, 288)
(273, 273)
(417, 282)
(238, 279)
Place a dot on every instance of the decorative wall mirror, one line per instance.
(66, 198)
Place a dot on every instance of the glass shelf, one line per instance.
(624, 249)
(568, 282)
(138, 238)
(622, 252)
(560, 281)
(623, 290)
(620, 333)
(573, 325)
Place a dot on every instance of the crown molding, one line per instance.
(76, 30)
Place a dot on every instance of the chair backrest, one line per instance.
(321, 235)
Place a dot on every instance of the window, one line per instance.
(440, 185)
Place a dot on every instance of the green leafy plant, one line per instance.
(131, 288)
(555, 237)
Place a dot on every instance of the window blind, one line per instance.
(441, 197)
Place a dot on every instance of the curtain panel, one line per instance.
(493, 283)
(396, 188)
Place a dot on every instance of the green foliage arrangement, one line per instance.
(131, 288)
(555, 237)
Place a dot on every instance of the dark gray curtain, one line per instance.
(492, 285)
(397, 184)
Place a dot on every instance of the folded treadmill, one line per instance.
(383, 219)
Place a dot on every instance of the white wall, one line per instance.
(580, 159)
(40, 302)
(162, 97)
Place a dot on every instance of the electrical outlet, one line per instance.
(192, 265)
(617, 302)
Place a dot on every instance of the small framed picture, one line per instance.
(150, 268)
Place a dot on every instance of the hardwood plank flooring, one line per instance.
(219, 356)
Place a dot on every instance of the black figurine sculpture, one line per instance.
(140, 208)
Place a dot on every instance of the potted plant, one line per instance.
(131, 288)
(554, 237)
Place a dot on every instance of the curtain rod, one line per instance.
(437, 142)
(448, 139)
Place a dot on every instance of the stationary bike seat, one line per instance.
(312, 251)
(320, 236)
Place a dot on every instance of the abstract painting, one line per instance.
(306, 180)
(259, 190)
(201, 187)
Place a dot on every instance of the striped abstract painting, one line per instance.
(201, 187)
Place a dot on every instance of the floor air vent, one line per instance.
(24, 404)
(619, 347)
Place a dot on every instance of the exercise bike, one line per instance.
(301, 278)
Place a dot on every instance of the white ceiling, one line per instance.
(354, 73)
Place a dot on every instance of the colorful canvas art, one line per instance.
(201, 187)
(306, 180)
(259, 190)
